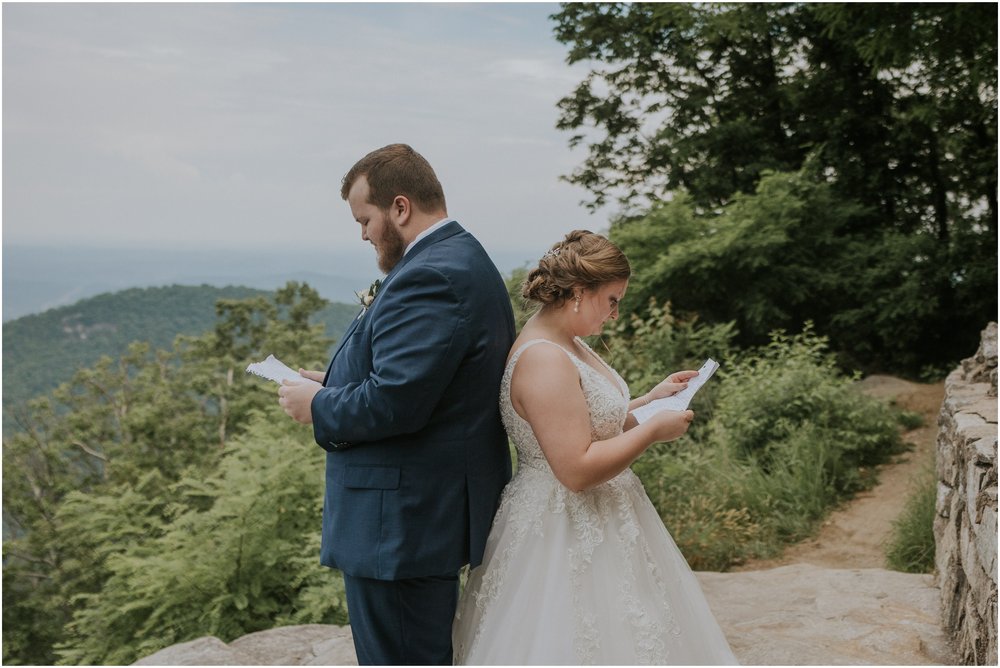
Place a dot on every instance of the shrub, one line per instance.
(239, 554)
(909, 420)
(789, 436)
(796, 488)
(692, 491)
(646, 350)
(769, 398)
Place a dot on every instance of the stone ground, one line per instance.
(825, 601)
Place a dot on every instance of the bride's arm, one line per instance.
(545, 391)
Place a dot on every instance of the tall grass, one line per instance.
(911, 546)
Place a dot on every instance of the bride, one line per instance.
(579, 569)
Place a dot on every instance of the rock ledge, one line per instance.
(792, 615)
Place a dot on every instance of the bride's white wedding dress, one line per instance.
(587, 577)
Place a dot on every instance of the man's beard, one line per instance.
(390, 248)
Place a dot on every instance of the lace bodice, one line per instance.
(607, 402)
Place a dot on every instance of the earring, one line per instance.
(576, 306)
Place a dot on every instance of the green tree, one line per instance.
(43, 350)
(705, 98)
(682, 97)
(782, 256)
(939, 63)
(119, 435)
(889, 110)
(763, 262)
(238, 551)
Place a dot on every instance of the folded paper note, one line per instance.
(679, 401)
(273, 369)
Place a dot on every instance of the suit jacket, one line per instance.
(409, 416)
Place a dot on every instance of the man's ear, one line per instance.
(400, 210)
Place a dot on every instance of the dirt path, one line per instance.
(854, 536)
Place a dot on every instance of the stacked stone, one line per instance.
(965, 528)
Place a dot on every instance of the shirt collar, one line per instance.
(423, 234)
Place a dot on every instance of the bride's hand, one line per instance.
(673, 384)
(669, 425)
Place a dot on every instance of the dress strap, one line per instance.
(527, 344)
(615, 381)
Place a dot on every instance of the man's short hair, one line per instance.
(394, 170)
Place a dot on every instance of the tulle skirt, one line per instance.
(587, 577)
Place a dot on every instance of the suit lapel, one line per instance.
(357, 321)
(347, 335)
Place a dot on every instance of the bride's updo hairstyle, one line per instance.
(581, 260)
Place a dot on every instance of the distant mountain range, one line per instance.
(43, 350)
(36, 279)
(65, 307)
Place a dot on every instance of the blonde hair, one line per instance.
(581, 260)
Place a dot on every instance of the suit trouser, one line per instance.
(402, 622)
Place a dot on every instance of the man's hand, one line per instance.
(318, 376)
(295, 397)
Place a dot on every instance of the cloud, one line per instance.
(232, 124)
(151, 152)
(539, 70)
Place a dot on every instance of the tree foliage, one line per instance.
(45, 349)
(235, 553)
(104, 467)
(163, 496)
(885, 114)
(780, 257)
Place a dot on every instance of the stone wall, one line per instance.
(965, 528)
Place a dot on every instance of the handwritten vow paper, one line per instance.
(679, 401)
(273, 369)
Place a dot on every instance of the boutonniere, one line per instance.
(366, 297)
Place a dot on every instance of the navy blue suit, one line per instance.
(416, 454)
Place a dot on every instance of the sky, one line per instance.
(229, 126)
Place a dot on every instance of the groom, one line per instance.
(408, 414)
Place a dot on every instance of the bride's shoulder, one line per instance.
(540, 356)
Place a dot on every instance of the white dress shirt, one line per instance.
(426, 232)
